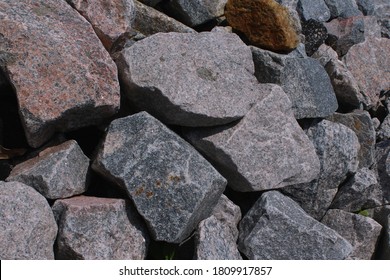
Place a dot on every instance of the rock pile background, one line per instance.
(221, 129)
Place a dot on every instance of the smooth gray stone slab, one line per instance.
(172, 186)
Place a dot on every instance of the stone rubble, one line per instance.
(207, 130)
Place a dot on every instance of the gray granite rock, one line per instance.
(361, 123)
(369, 63)
(93, 228)
(313, 9)
(344, 33)
(383, 132)
(362, 232)
(228, 214)
(63, 77)
(358, 193)
(57, 172)
(366, 6)
(27, 226)
(324, 54)
(214, 241)
(382, 215)
(276, 228)
(172, 186)
(196, 12)
(337, 147)
(187, 79)
(303, 79)
(149, 21)
(343, 8)
(381, 10)
(265, 150)
(383, 165)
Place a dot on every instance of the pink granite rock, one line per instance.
(98, 228)
(369, 63)
(109, 18)
(62, 75)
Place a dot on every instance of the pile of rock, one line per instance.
(239, 129)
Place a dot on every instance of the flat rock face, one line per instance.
(360, 192)
(149, 21)
(266, 23)
(214, 241)
(92, 228)
(343, 8)
(265, 150)
(337, 147)
(303, 79)
(369, 63)
(200, 79)
(109, 18)
(57, 172)
(362, 232)
(276, 228)
(28, 229)
(52, 57)
(196, 12)
(361, 123)
(313, 9)
(173, 187)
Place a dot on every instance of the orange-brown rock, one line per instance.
(265, 23)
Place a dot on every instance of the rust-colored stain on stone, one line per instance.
(62, 75)
(265, 23)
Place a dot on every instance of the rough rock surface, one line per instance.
(303, 79)
(361, 123)
(360, 192)
(214, 241)
(343, 8)
(57, 172)
(362, 232)
(149, 21)
(92, 228)
(276, 228)
(37, 37)
(382, 152)
(369, 63)
(173, 187)
(382, 215)
(266, 23)
(27, 226)
(187, 79)
(337, 147)
(313, 9)
(109, 18)
(315, 35)
(196, 12)
(260, 152)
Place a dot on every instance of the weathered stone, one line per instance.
(265, 150)
(214, 241)
(362, 232)
(315, 35)
(57, 172)
(345, 86)
(344, 33)
(172, 186)
(27, 226)
(277, 228)
(92, 228)
(266, 23)
(313, 9)
(366, 6)
(196, 12)
(187, 79)
(303, 79)
(324, 54)
(110, 19)
(361, 123)
(337, 148)
(383, 132)
(383, 166)
(381, 10)
(369, 63)
(228, 214)
(359, 193)
(343, 8)
(63, 77)
(149, 21)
